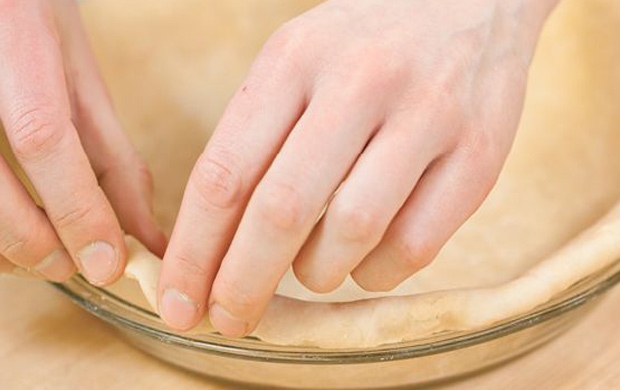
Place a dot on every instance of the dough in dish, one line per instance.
(172, 65)
(375, 321)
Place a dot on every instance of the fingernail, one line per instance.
(57, 266)
(178, 310)
(99, 262)
(226, 323)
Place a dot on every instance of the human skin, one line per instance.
(407, 108)
(414, 103)
(63, 132)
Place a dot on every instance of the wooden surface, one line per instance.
(46, 342)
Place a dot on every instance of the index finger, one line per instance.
(284, 208)
(35, 111)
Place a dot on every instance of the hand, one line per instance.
(396, 115)
(63, 132)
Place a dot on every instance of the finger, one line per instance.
(361, 211)
(251, 131)
(124, 177)
(27, 238)
(448, 193)
(35, 111)
(284, 207)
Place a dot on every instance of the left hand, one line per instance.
(410, 107)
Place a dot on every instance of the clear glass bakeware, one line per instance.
(420, 362)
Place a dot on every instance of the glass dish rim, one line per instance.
(247, 348)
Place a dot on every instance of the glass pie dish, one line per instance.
(171, 70)
(421, 362)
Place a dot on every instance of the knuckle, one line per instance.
(36, 132)
(287, 40)
(191, 267)
(281, 207)
(78, 215)
(284, 49)
(17, 240)
(483, 152)
(355, 223)
(218, 180)
(13, 242)
(438, 94)
(478, 144)
(366, 72)
(415, 253)
(370, 62)
(372, 284)
(320, 284)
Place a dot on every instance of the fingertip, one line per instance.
(183, 288)
(226, 323)
(369, 283)
(101, 263)
(152, 237)
(158, 243)
(315, 282)
(390, 264)
(178, 310)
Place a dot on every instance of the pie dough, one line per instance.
(172, 65)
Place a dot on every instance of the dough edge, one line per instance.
(372, 322)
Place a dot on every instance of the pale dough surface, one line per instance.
(171, 66)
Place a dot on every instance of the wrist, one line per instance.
(526, 18)
(538, 10)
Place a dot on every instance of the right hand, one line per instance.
(62, 129)
(394, 117)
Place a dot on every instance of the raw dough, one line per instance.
(171, 66)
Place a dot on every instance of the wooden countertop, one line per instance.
(46, 342)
